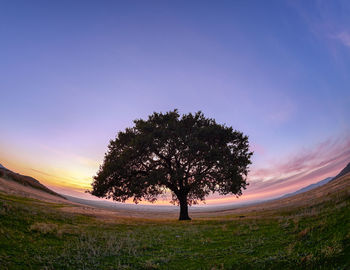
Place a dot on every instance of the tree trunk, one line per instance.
(183, 209)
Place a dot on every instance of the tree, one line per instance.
(190, 156)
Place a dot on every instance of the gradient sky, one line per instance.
(74, 73)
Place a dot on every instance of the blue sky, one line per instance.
(74, 73)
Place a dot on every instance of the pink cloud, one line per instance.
(303, 161)
(305, 167)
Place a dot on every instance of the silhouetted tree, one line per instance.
(191, 156)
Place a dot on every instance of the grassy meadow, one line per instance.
(38, 235)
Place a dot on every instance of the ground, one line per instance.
(307, 232)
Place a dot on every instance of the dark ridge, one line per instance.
(343, 172)
(25, 180)
(2, 167)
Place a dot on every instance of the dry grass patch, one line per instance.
(44, 228)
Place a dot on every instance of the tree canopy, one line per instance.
(190, 155)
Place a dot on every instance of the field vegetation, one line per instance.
(39, 235)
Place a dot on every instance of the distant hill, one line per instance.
(343, 172)
(25, 180)
(307, 188)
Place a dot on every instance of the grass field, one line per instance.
(38, 235)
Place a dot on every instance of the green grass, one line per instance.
(37, 235)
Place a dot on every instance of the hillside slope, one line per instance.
(24, 180)
(344, 171)
(307, 188)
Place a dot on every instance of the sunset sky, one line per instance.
(74, 73)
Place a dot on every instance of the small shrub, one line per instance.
(303, 233)
(149, 264)
(332, 250)
(4, 208)
(44, 228)
(67, 230)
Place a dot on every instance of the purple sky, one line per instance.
(72, 74)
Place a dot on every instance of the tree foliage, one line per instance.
(189, 155)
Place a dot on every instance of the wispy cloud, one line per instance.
(328, 22)
(284, 113)
(293, 172)
(303, 160)
(344, 38)
(61, 178)
(85, 161)
(302, 168)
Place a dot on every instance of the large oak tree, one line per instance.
(190, 156)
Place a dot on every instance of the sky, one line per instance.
(74, 73)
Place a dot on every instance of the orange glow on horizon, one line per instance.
(73, 175)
